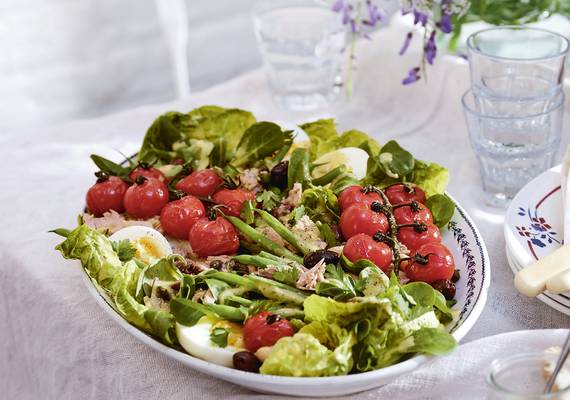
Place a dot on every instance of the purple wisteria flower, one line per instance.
(430, 49)
(360, 15)
(445, 24)
(413, 76)
(406, 44)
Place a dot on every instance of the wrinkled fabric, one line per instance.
(55, 341)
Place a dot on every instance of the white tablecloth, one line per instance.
(56, 343)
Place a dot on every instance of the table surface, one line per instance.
(56, 342)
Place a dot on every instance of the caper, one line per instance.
(279, 174)
(313, 258)
(446, 287)
(246, 361)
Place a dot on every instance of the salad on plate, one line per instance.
(241, 244)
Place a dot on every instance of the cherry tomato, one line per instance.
(177, 217)
(405, 193)
(147, 172)
(146, 198)
(363, 246)
(213, 238)
(265, 329)
(355, 195)
(414, 238)
(106, 195)
(201, 183)
(432, 262)
(233, 200)
(413, 213)
(359, 218)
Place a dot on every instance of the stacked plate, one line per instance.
(534, 228)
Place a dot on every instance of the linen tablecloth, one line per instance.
(56, 343)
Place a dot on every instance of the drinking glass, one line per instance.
(515, 147)
(301, 44)
(522, 64)
(521, 377)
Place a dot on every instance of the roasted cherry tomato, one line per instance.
(431, 262)
(265, 329)
(107, 194)
(146, 171)
(415, 237)
(213, 237)
(355, 195)
(177, 217)
(416, 212)
(233, 200)
(404, 193)
(360, 218)
(363, 246)
(201, 183)
(146, 198)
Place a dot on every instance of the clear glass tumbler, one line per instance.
(513, 148)
(301, 43)
(522, 377)
(518, 63)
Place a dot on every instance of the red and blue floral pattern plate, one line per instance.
(534, 228)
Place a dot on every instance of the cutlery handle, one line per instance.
(560, 283)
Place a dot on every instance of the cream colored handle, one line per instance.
(532, 280)
(560, 283)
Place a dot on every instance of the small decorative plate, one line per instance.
(534, 228)
(471, 258)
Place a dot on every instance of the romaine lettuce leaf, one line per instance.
(318, 349)
(325, 309)
(95, 252)
(208, 123)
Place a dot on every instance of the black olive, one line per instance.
(216, 264)
(456, 276)
(246, 361)
(446, 287)
(313, 258)
(279, 174)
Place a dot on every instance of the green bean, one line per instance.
(258, 261)
(240, 300)
(226, 312)
(283, 231)
(270, 256)
(329, 176)
(259, 280)
(228, 277)
(289, 312)
(262, 240)
(251, 247)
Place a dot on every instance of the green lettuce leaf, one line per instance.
(318, 349)
(208, 123)
(321, 204)
(95, 252)
(259, 141)
(442, 208)
(162, 273)
(325, 309)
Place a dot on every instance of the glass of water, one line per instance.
(522, 377)
(513, 148)
(301, 43)
(517, 63)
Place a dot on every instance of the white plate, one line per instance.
(534, 228)
(470, 253)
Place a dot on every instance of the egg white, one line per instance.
(149, 243)
(196, 341)
(353, 157)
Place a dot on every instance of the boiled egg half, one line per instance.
(149, 243)
(196, 340)
(354, 158)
